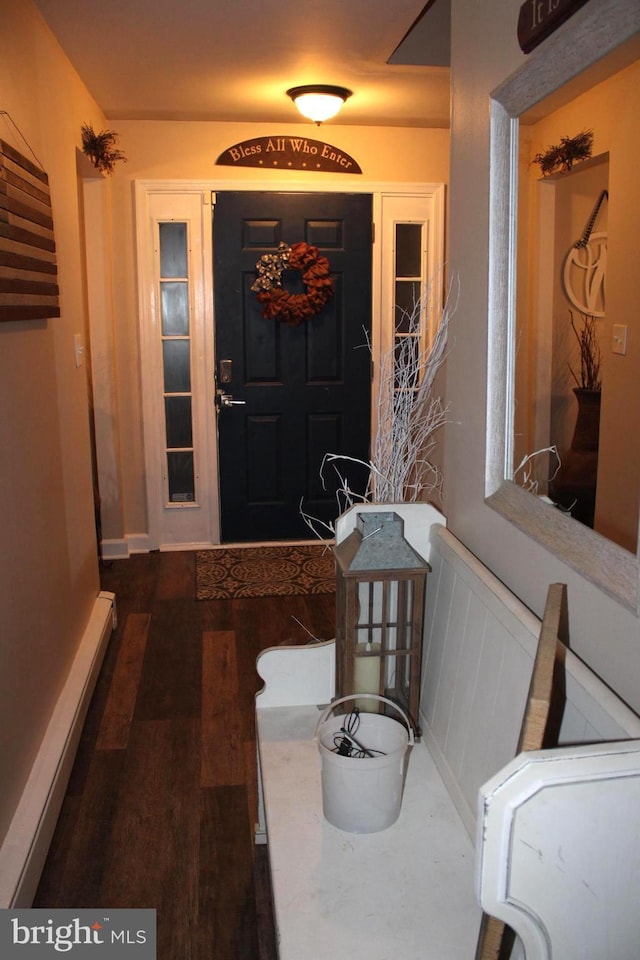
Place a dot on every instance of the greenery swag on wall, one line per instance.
(561, 157)
(101, 148)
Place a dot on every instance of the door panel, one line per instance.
(306, 389)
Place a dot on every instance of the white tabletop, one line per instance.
(405, 893)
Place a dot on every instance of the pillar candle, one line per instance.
(366, 675)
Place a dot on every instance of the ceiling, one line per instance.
(234, 59)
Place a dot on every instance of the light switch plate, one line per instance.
(78, 347)
(619, 335)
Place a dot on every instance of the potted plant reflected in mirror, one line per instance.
(574, 486)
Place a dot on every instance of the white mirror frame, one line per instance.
(595, 31)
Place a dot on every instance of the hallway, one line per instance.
(161, 803)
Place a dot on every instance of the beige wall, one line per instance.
(48, 564)
(485, 52)
(158, 150)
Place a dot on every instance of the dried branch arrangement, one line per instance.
(101, 148)
(563, 155)
(525, 473)
(590, 355)
(409, 415)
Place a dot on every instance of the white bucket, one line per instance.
(364, 794)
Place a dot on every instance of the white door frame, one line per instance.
(430, 204)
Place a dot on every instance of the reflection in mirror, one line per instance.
(576, 416)
(571, 61)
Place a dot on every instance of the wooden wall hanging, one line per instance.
(28, 270)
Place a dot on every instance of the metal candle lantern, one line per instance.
(380, 592)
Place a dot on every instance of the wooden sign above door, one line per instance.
(540, 18)
(288, 153)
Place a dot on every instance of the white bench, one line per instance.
(408, 892)
(557, 857)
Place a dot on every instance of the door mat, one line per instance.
(277, 571)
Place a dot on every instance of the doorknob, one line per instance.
(226, 400)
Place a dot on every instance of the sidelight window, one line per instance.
(409, 291)
(175, 334)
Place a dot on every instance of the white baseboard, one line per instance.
(122, 548)
(25, 846)
(114, 549)
(139, 543)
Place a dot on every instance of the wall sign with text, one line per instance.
(288, 153)
(540, 18)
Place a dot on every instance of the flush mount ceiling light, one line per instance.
(317, 101)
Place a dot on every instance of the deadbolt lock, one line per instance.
(225, 371)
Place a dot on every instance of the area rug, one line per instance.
(277, 571)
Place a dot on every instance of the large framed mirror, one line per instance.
(535, 292)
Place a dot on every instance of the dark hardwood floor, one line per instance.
(162, 800)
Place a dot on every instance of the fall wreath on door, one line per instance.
(278, 303)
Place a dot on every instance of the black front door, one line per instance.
(299, 392)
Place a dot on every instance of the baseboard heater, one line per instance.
(25, 846)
